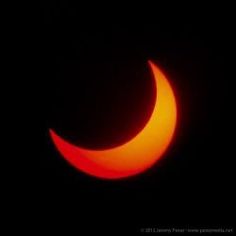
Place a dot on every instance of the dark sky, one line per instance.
(89, 82)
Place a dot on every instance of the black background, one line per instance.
(89, 80)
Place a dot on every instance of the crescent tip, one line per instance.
(150, 63)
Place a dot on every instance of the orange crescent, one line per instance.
(136, 155)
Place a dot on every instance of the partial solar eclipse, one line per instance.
(136, 155)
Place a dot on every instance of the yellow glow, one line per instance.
(139, 153)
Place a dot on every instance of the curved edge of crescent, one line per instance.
(136, 155)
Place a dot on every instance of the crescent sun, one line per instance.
(136, 155)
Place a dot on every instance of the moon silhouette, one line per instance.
(136, 155)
